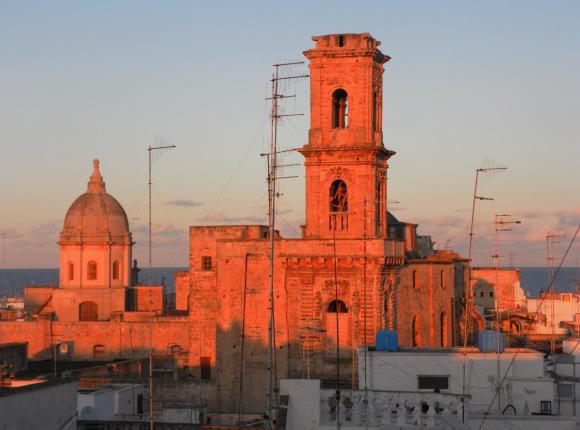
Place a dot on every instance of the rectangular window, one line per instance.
(481, 294)
(205, 367)
(205, 263)
(92, 271)
(545, 407)
(71, 271)
(491, 294)
(115, 270)
(433, 382)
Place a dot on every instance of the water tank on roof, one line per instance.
(489, 341)
(387, 340)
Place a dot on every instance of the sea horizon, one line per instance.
(13, 281)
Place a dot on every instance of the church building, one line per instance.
(354, 271)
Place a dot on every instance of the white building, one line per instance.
(39, 405)
(438, 389)
(554, 309)
(112, 402)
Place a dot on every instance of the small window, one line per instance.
(433, 382)
(415, 279)
(140, 408)
(115, 270)
(442, 279)
(339, 109)
(481, 294)
(205, 367)
(341, 41)
(98, 351)
(491, 294)
(375, 107)
(92, 270)
(174, 349)
(71, 271)
(337, 306)
(206, 263)
(546, 407)
(416, 331)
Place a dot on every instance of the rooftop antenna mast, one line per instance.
(500, 221)
(3, 257)
(153, 152)
(468, 297)
(551, 239)
(275, 115)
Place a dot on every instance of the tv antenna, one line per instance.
(551, 239)
(283, 74)
(153, 153)
(4, 233)
(491, 169)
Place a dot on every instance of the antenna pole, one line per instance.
(3, 257)
(272, 195)
(150, 150)
(551, 239)
(467, 290)
(272, 220)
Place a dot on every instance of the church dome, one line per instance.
(95, 216)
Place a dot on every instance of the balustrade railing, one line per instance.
(401, 409)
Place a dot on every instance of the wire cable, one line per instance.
(529, 327)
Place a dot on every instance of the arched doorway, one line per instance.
(337, 328)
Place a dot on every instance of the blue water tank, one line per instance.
(387, 340)
(489, 340)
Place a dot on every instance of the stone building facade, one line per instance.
(355, 270)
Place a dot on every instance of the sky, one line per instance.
(470, 84)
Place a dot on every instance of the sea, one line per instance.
(13, 281)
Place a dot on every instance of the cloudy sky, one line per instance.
(470, 84)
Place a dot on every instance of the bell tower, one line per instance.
(345, 160)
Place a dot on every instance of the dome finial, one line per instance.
(96, 184)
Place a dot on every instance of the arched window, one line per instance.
(175, 348)
(339, 109)
(115, 269)
(416, 331)
(98, 351)
(88, 311)
(338, 196)
(415, 279)
(337, 306)
(71, 271)
(444, 330)
(92, 270)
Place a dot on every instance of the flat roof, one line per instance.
(457, 350)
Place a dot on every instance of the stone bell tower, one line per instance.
(345, 160)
